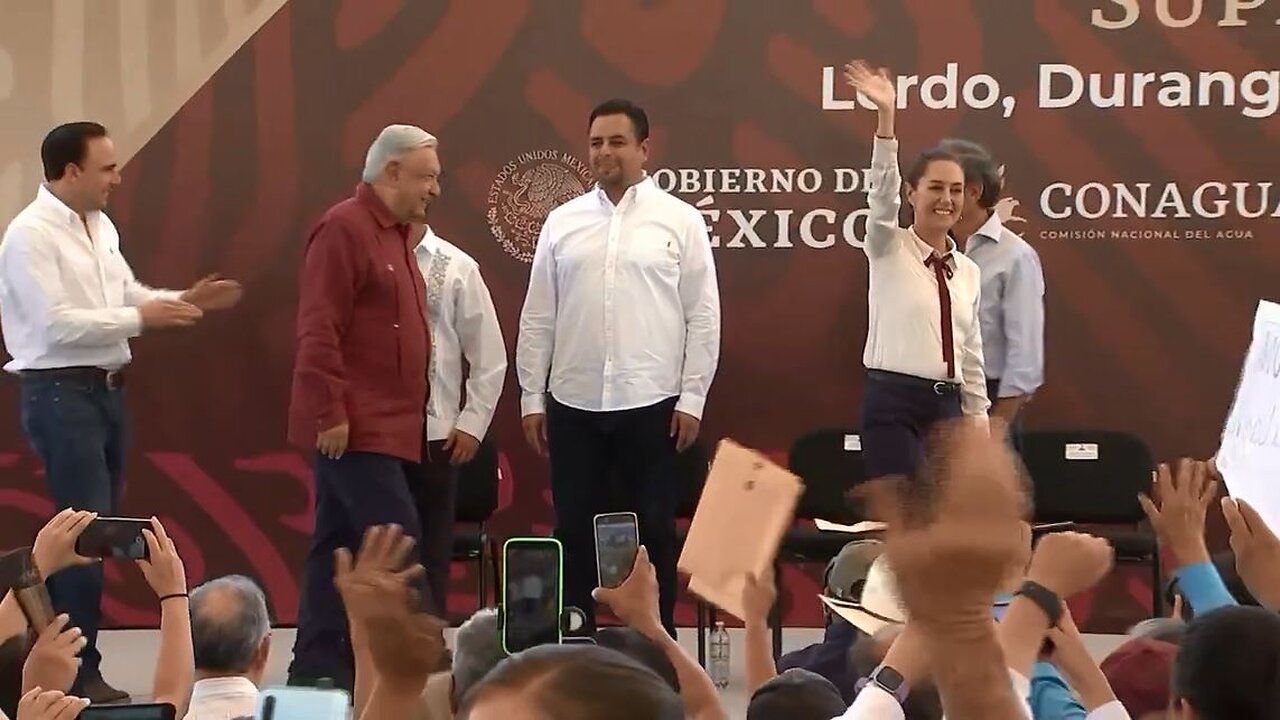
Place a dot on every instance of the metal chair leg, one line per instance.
(1157, 584)
(699, 609)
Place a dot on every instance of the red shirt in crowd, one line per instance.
(362, 340)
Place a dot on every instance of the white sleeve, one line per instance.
(700, 297)
(973, 375)
(486, 353)
(874, 703)
(31, 268)
(884, 199)
(536, 339)
(1111, 711)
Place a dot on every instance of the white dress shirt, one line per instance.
(623, 310)
(464, 324)
(222, 698)
(904, 327)
(67, 296)
(1012, 309)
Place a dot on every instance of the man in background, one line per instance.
(231, 639)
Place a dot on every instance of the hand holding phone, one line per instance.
(114, 537)
(617, 540)
(55, 545)
(532, 592)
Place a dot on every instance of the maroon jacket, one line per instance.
(362, 341)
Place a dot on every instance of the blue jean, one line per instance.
(77, 427)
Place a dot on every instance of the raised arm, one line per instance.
(884, 197)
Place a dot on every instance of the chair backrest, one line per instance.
(1088, 476)
(692, 467)
(477, 497)
(829, 461)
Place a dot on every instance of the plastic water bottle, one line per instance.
(719, 669)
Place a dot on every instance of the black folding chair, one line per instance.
(1093, 477)
(477, 500)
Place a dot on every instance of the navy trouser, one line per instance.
(898, 411)
(434, 486)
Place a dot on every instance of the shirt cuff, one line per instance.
(533, 404)
(133, 321)
(884, 151)
(1111, 711)
(471, 424)
(691, 405)
(1203, 588)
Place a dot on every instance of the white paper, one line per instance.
(862, 527)
(1081, 451)
(853, 443)
(1249, 458)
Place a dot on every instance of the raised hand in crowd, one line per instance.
(54, 659)
(55, 545)
(1178, 511)
(758, 597)
(1073, 660)
(635, 602)
(1257, 551)
(175, 662)
(40, 704)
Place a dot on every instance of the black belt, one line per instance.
(938, 387)
(113, 379)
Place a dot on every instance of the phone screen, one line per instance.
(114, 538)
(155, 711)
(300, 703)
(531, 593)
(617, 541)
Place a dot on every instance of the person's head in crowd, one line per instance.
(80, 165)
(477, 649)
(636, 646)
(1139, 673)
(981, 176)
(846, 573)
(923, 701)
(1168, 630)
(796, 695)
(1228, 667)
(571, 682)
(878, 604)
(230, 629)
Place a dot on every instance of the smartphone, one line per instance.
(114, 537)
(617, 541)
(577, 640)
(303, 703)
(532, 592)
(152, 711)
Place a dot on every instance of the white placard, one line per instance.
(853, 443)
(1081, 451)
(1249, 458)
(865, 526)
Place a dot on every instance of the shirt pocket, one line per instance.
(654, 251)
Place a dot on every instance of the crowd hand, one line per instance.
(461, 446)
(873, 83)
(1068, 563)
(164, 313)
(405, 645)
(952, 540)
(1072, 658)
(40, 704)
(684, 428)
(54, 659)
(635, 601)
(55, 546)
(1183, 499)
(535, 432)
(759, 594)
(213, 292)
(1257, 551)
(163, 569)
(332, 443)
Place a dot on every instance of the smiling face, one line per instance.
(415, 181)
(617, 156)
(937, 195)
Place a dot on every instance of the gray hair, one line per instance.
(229, 620)
(393, 143)
(477, 650)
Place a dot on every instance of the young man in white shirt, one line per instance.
(464, 326)
(924, 344)
(619, 341)
(69, 304)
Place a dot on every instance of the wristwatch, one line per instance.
(1044, 598)
(887, 679)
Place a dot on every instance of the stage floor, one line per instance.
(126, 652)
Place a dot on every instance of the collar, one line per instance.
(238, 685)
(992, 229)
(367, 197)
(430, 242)
(923, 249)
(633, 193)
(53, 205)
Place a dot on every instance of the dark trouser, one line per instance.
(589, 450)
(1015, 426)
(897, 413)
(353, 493)
(76, 424)
(434, 486)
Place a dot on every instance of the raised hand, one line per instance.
(635, 601)
(163, 568)
(213, 292)
(1183, 499)
(55, 546)
(54, 659)
(1257, 551)
(874, 84)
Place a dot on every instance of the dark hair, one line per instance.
(796, 694)
(923, 702)
(580, 682)
(922, 162)
(979, 169)
(636, 646)
(66, 145)
(1228, 667)
(618, 106)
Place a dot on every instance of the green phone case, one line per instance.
(559, 583)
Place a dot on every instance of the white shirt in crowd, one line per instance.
(222, 698)
(904, 327)
(464, 324)
(67, 296)
(623, 310)
(875, 703)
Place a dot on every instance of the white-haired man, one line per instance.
(360, 377)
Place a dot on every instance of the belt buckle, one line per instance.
(114, 380)
(940, 388)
